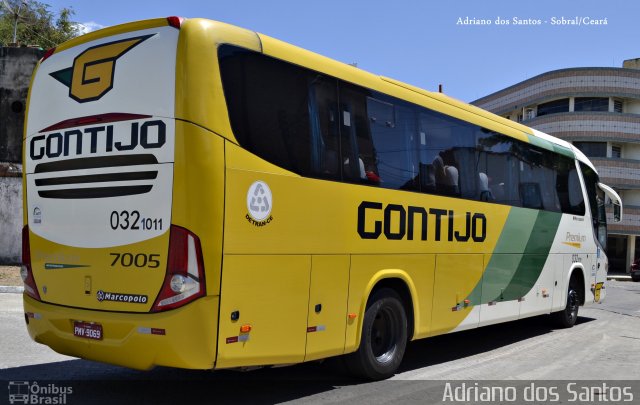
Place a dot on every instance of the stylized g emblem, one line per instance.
(91, 75)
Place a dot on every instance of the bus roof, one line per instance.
(438, 101)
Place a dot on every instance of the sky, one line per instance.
(421, 42)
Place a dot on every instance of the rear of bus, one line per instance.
(114, 250)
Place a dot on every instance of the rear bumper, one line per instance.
(189, 339)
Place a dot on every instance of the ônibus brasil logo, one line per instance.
(26, 392)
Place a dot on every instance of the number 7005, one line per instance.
(137, 260)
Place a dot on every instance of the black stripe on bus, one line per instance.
(97, 178)
(96, 162)
(98, 192)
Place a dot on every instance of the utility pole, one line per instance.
(16, 17)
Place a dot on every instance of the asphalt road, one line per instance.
(604, 345)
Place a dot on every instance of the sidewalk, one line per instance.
(11, 289)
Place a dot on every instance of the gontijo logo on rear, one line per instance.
(91, 75)
(100, 146)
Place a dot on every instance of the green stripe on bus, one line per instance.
(506, 256)
(539, 142)
(535, 255)
(509, 274)
(564, 151)
(554, 147)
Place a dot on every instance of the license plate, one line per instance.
(87, 330)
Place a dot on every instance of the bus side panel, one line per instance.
(539, 300)
(198, 190)
(494, 281)
(455, 279)
(327, 319)
(415, 270)
(269, 293)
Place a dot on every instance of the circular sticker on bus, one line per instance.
(259, 201)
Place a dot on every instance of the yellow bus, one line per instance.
(202, 196)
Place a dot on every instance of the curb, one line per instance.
(11, 289)
(619, 278)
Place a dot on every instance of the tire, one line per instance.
(384, 337)
(569, 315)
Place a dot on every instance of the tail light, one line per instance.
(48, 53)
(26, 271)
(184, 280)
(175, 22)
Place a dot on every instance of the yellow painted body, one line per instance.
(187, 343)
(273, 276)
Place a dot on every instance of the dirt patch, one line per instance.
(10, 275)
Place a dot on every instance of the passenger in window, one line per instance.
(373, 177)
(446, 177)
(483, 186)
(361, 171)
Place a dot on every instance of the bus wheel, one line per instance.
(384, 337)
(569, 315)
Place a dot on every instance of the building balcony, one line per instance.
(621, 174)
(589, 126)
(605, 82)
(630, 224)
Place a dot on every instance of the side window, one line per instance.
(568, 187)
(294, 129)
(325, 140)
(446, 149)
(537, 178)
(359, 159)
(497, 169)
(596, 204)
(316, 126)
(393, 129)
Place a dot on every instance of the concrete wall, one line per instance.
(10, 220)
(16, 67)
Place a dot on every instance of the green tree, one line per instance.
(36, 23)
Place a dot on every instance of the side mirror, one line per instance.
(617, 213)
(615, 199)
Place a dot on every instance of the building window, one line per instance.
(529, 113)
(592, 149)
(553, 107)
(617, 106)
(591, 104)
(616, 152)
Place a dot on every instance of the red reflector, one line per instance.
(175, 22)
(30, 286)
(48, 53)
